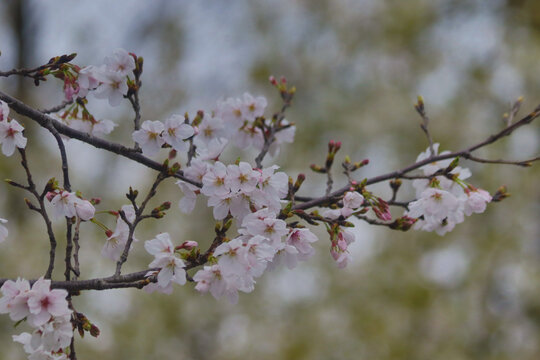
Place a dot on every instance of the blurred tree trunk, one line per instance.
(21, 15)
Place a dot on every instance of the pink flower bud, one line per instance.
(188, 245)
(50, 195)
(84, 209)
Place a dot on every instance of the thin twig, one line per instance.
(57, 107)
(139, 216)
(41, 210)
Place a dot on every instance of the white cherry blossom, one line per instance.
(209, 129)
(45, 303)
(149, 137)
(121, 62)
(176, 131)
(4, 111)
(11, 136)
(214, 181)
(112, 86)
(475, 201)
(14, 300)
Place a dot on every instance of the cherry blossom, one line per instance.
(434, 205)
(212, 150)
(44, 303)
(160, 246)
(117, 240)
(112, 86)
(171, 267)
(214, 181)
(211, 279)
(67, 204)
(187, 203)
(264, 222)
(11, 136)
(63, 203)
(241, 177)
(231, 111)
(15, 299)
(149, 137)
(176, 131)
(351, 202)
(120, 62)
(210, 128)
(432, 167)
(4, 111)
(339, 249)
(475, 201)
(87, 80)
(253, 107)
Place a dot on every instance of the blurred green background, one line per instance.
(358, 67)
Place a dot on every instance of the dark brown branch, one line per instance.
(524, 163)
(42, 119)
(401, 173)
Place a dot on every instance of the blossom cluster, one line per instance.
(170, 265)
(68, 204)
(444, 200)
(238, 121)
(259, 247)
(108, 81)
(45, 310)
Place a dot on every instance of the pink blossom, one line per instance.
(4, 111)
(112, 86)
(84, 209)
(116, 242)
(242, 177)
(102, 127)
(435, 165)
(210, 128)
(160, 246)
(476, 201)
(231, 111)
(253, 107)
(212, 150)
(434, 205)
(176, 131)
(302, 239)
(248, 135)
(187, 203)
(171, 270)
(214, 181)
(149, 137)
(171, 267)
(264, 223)
(64, 203)
(120, 62)
(15, 299)
(211, 279)
(44, 302)
(87, 79)
(11, 136)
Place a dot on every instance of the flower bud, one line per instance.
(84, 209)
(188, 245)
